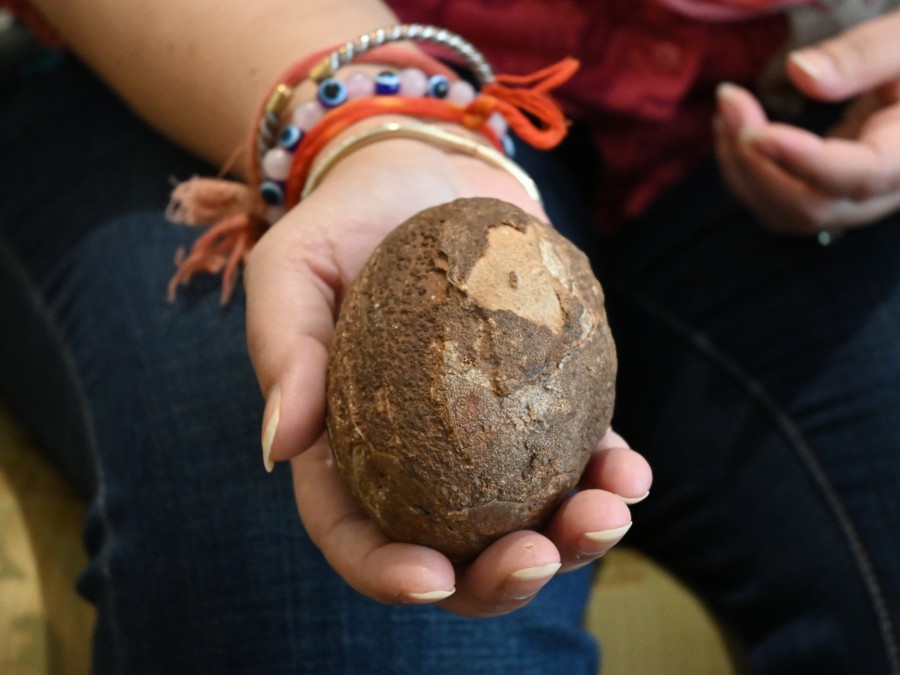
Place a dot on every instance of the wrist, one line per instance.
(418, 170)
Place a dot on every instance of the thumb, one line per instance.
(858, 60)
(289, 326)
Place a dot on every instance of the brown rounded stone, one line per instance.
(471, 375)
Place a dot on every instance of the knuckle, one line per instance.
(851, 53)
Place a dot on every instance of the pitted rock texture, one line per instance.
(471, 375)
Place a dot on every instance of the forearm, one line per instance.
(197, 69)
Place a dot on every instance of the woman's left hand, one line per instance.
(798, 182)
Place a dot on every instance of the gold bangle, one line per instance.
(429, 133)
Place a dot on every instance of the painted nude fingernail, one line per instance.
(814, 64)
(728, 118)
(524, 583)
(423, 598)
(635, 500)
(273, 408)
(607, 536)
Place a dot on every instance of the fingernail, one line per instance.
(273, 408)
(750, 136)
(525, 583)
(726, 90)
(813, 63)
(422, 598)
(635, 500)
(606, 536)
(729, 120)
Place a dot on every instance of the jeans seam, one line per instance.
(795, 439)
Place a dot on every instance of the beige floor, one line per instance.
(650, 625)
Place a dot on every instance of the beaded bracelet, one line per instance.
(409, 92)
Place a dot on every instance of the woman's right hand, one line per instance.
(800, 183)
(296, 279)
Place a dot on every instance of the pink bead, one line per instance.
(413, 82)
(461, 93)
(359, 85)
(307, 115)
(276, 164)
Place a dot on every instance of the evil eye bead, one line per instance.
(290, 137)
(332, 93)
(438, 86)
(272, 192)
(387, 83)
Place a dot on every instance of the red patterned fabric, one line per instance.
(648, 76)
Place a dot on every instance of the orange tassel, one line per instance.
(201, 201)
(525, 102)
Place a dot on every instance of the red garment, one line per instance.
(648, 76)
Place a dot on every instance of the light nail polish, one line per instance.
(536, 573)
(525, 583)
(607, 536)
(636, 500)
(422, 598)
(811, 64)
(726, 90)
(270, 428)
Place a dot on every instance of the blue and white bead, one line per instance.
(387, 83)
(438, 86)
(332, 92)
(289, 137)
(272, 192)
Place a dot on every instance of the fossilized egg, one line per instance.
(471, 375)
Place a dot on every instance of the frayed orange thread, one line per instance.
(222, 249)
(238, 214)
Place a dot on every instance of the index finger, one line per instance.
(290, 310)
(858, 60)
(856, 169)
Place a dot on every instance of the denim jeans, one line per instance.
(758, 374)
